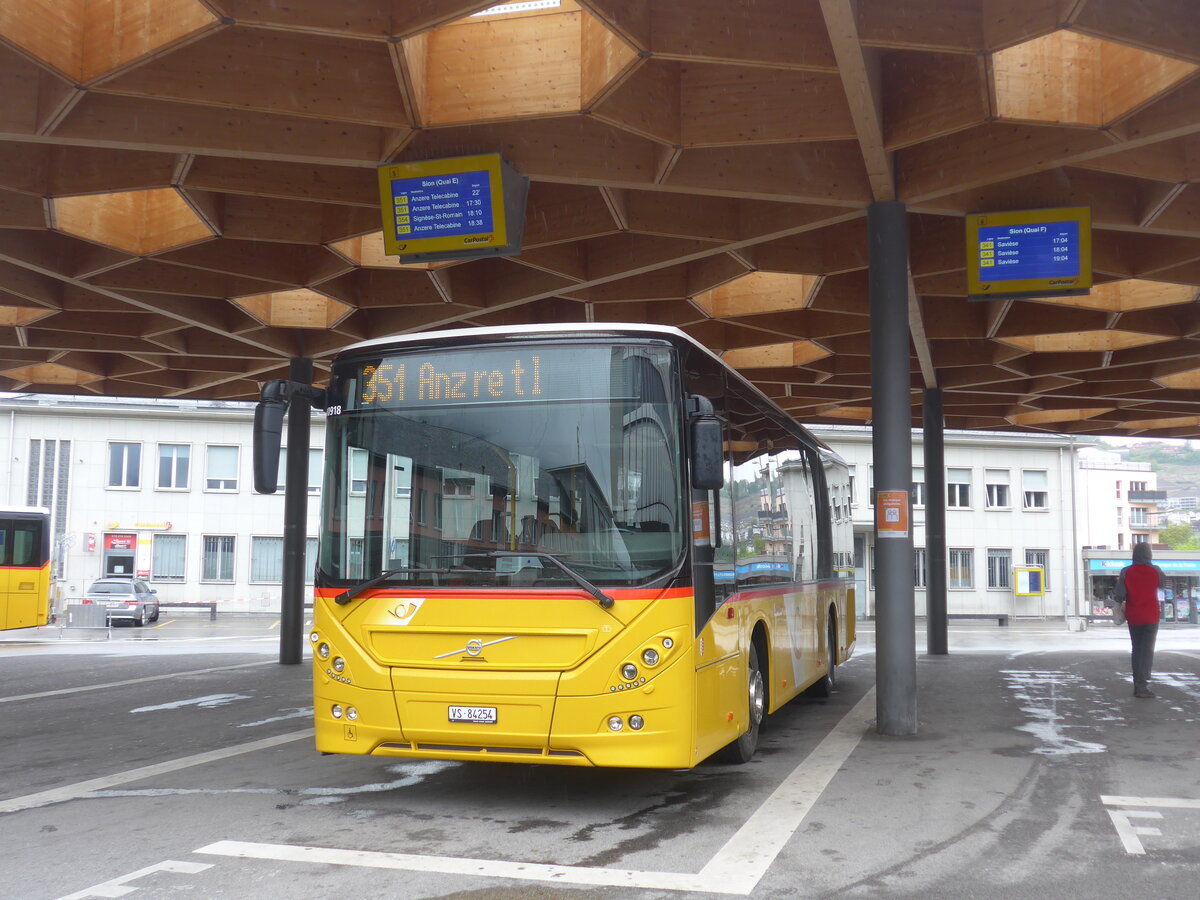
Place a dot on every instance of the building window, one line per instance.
(1141, 538)
(316, 462)
(1040, 558)
(354, 554)
(920, 562)
(962, 565)
(124, 465)
(1139, 517)
(918, 486)
(1036, 495)
(958, 488)
(218, 558)
(174, 466)
(168, 558)
(999, 567)
(221, 472)
(266, 559)
(996, 481)
(1137, 486)
(1118, 490)
(358, 472)
(851, 478)
(1120, 515)
(1121, 541)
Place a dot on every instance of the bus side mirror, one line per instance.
(268, 435)
(708, 469)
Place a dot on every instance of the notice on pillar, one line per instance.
(891, 514)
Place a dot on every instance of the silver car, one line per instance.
(125, 598)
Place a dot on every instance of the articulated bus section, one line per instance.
(553, 678)
(24, 567)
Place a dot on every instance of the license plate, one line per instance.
(484, 715)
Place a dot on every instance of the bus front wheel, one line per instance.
(742, 750)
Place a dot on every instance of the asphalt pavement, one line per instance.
(177, 761)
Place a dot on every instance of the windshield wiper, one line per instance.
(605, 601)
(355, 589)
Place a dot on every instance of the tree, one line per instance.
(1179, 537)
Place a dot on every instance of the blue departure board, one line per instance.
(442, 205)
(1010, 252)
(1029, 253)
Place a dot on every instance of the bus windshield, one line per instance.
(450, 467)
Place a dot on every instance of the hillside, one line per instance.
(1177, 464)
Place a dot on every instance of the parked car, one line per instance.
(126, 599)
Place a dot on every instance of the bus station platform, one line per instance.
(1034, 773)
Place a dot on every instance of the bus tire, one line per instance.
(742, 750)
(828, 682)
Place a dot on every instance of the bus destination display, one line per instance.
(1029, 253)
(485, 376)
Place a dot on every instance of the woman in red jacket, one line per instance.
(1137, 588)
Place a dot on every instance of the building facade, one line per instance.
(1009, 505)
(159, 490)
(163, 490)
(1118, 502)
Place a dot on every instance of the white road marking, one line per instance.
(72, 791)
(206, 702)
(113, 684)
(1165, 802)
(750, 852)
(292, 713)
(735, 869)
(115, 887)
(1129, 833)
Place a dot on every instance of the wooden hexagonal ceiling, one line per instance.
(188, 193)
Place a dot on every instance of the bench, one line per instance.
(1001, 618)
(211, 607)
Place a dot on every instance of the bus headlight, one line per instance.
(615, 723)
(629, 672)
(314, 637)
(323, 651)
(668, 643)
(336, 711)
(339, 664)
(636, 722)
(351, 713)
(650, 656)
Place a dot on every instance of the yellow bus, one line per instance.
(24, 567)
(590, 545)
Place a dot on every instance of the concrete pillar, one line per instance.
(891, 444)
(295, 519)
(934, 434)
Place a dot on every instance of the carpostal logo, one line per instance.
(478, 239)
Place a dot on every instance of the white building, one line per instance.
(157, 489)
(1118, 502)
(164, 490)
(1009, 505)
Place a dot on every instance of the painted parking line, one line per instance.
(112, 684)
(79, 788)
(736, 868)
(119, 887)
